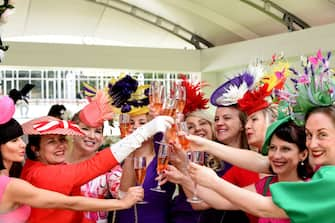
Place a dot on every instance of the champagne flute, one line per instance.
(124, 123)
(180, 98)
(181, 134)
(197, 157)
(140, 167)
(156, 96)
(162, 163)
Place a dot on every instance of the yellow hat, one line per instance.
(138, 102)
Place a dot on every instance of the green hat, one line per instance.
(270, 130)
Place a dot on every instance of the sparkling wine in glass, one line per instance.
(156, 96)
(181, 135)
(180, 98)
(162, 163)
(124, 124)
(197, 157)
(140, 167)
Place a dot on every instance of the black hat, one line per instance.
(10, 130)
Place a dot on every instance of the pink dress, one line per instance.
(19, 215)
(100, 187)
(263, 187)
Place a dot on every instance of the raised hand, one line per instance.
(172, 174)
(202, 175)
(198, 143)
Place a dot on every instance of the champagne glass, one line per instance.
(162, 163)
(124, 122)
(156, 96)
(181, 135)
(180, 98)
(140, 167)
(197, 157)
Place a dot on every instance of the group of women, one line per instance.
(236, 176)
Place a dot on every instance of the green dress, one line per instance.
(308, 202)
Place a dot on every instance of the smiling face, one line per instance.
(52, 149)
(137, 121)
(228, 125)
(320, 141)
(13, 151)
(255, 128)
(200, 127)
(91, 141)
(284, 158)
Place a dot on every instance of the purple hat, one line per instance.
(232, 90)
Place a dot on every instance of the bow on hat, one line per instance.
(48, 126)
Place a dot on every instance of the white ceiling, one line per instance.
(218, 21)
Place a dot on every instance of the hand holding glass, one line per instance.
(197, 157)
(162, 163)
(140, 167)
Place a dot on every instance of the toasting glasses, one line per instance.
(162, 163)
(140, 167)
(197, 157)
(124, 122)
(181, 134)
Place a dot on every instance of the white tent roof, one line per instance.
(219, 22)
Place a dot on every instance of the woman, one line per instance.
(17, 196)
(84, 148)
(288, 160)
(158, 206)
(46, 153)
(311, 100)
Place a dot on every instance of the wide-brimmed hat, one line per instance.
(50, 125)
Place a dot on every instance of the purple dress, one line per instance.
(158, 207)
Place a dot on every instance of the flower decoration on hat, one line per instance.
(313, 87)
(262, 95)
(138, 102)
(6, 9)
(7, 109)
(195, 98)
(97, 111)
(121, 90)
(232, 90)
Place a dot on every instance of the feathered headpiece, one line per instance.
(259, 98)
(138, 103)
(97, 111)
(120, 91)
(21, 94)
(314, 87)
(195, 98)
(232, 90)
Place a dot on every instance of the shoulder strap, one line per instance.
(266, 185)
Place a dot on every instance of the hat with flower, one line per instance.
(138, 102)
(313, 87)
(261, 95)
(232, 90)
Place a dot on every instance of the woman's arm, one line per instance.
(243, 158)
(245, 200)
(21, 192)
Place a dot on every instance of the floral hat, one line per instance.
(50, 125)
(313, 87)
(262, 93)
(138, 102)
(232, 90)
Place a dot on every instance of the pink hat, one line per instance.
(49, 125)
(7, 108)
(97, 111)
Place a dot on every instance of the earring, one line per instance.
(302, 163)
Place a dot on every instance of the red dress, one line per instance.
(65, 179)
(242, 178)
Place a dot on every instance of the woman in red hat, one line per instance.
(17, 195)
(46, 166)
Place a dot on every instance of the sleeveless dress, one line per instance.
(19, 215)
